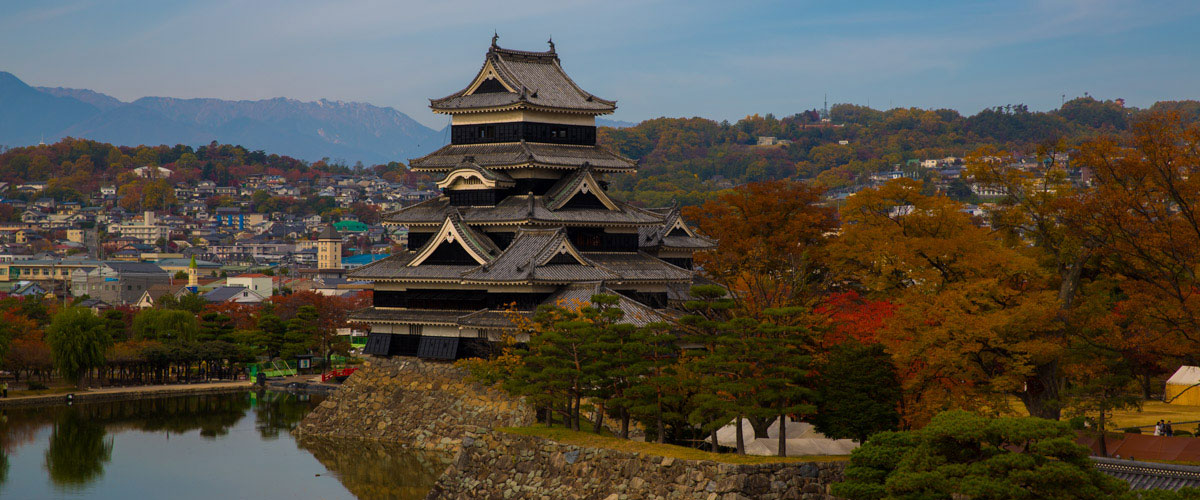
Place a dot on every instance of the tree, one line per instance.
(165, 325)
(301, 333)
(769, 238)
(1144, 218)
(963, 455)
(77, 340)
(656, 393)
(554, 365)
(976, 313)
(857, 393)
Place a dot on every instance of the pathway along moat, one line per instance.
(204, 447)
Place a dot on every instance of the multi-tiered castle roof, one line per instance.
(524, 219)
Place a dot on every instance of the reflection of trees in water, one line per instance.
(281, 411)
(78, 451)
(373, 470)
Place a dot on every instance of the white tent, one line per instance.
(801, 438)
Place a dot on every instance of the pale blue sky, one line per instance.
(717, 59)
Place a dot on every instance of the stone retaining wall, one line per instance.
(427, 405)
(497, 465)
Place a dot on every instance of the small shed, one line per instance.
(1183, 388)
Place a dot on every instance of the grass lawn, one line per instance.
(591, 440)
(1150, 413)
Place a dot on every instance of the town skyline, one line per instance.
(674, 60)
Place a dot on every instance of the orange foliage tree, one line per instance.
(770, 238)
(973, 312)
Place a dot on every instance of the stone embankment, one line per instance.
(433, 406)
(498, 465)
(421, 404)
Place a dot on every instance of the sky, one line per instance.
(716, 59)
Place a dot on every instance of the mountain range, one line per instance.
(348, 131)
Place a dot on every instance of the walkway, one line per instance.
(134, 392)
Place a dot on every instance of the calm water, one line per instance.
(204, 447)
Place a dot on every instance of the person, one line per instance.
(4, 387)
(1158, 428)
(1167, 429)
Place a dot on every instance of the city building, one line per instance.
(118, 283)
(523, 219)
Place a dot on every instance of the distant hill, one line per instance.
(604, 122)
(349, 131)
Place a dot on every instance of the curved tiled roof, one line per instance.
(521, 154)
(525, 260)
(1150, 475)
(518, 209)
(538, 79)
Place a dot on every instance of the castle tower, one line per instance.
(524, 219)
(329, 249)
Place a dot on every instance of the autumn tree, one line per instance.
(1144, 215)
(974, 312)
(770, 237)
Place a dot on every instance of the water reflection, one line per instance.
(78, 451)
(378, 471)
(106, 449)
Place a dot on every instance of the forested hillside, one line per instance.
(688, 159)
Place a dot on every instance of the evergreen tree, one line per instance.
(858, 393)
(301, 333)
(656, 394)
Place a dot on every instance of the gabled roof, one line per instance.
(521, 154)
(673, 233)
(579, 181)
(511, 79)
(227, 293)
(134, 267)
(539, 256)
(453, 230)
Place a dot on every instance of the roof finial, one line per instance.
(551, 42)
(495, 38)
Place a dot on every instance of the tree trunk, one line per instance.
(598, 425)
(661, 429)
(741, 442)
(1042, 392)
(782, 434)
(715, 446)
(1100, 426)
(624, 423)
(760, 426)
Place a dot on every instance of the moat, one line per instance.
(214, 446)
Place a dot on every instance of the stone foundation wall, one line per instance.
(416, 403)
(497, 465)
